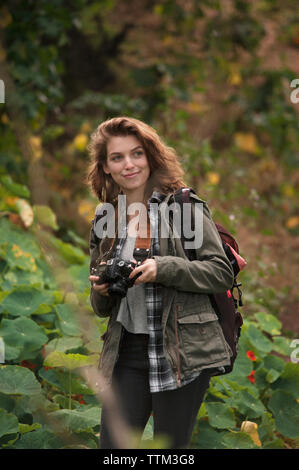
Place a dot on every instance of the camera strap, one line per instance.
(142, 245)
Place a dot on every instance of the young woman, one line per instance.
(163, 339)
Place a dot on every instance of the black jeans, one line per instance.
(174, 411)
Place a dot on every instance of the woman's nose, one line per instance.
(128, 162)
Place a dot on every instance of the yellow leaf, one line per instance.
(247, 142)
(288, 190)
(213, 178)
(292, 222)
(85, 127)
(234, 77)
(4, 118)
(25, 211)
(194, 107)
(11, 201)
(36, 147)
(251, 428)
(80, 142)
(86, 209)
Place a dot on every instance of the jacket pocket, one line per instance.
(202, 339)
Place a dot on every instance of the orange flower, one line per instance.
(251, 377)
(251, 355)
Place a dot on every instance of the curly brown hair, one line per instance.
(166, 173)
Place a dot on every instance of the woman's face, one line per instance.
(127, 163)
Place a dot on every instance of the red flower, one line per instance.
(79, 398)
(28, 365)
(47, 367)
(251, 376)
(251, 355)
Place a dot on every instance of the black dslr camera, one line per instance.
(116, 273)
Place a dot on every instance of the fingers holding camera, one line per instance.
(148, 269)
(102, 289)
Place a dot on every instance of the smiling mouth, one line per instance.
(131, 175)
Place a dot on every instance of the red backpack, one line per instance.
(225, 304)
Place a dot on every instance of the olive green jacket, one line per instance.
(192, 337)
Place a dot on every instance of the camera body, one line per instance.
(116, 273)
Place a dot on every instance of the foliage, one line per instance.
(45, 347)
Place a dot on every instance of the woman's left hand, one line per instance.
(148, 269)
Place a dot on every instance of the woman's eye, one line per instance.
(139, 153)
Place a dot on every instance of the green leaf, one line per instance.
(59, 378)
(274, 444)
(22, 333)
(243, 365)
(63, 344)
(148, 431)
(39, 439)
(206, 437)
(19, 277)
(14, 235)
(67, 319)
(285, 410)
(25, 300)
(6, 403)
(69, 361)
(267, 427)
(8, 423)
(70, 253)
(23, 428)
(32, 405)
(79, 276)
(282, 345)
(259, 341)
(45, 216)
(14, 188)
(269, 323)
(238, 440)
(247, 404)
(78, 420)
(289, 379)
(272, 375)
(220, 415)
(17, 380)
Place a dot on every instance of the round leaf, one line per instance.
(23, 301)
(17, 380)
(8, 423)
(269, 323)
(258, 340)
(238, 440)
(220, 415)
(78, 420)
(22, 333)
(285, 409)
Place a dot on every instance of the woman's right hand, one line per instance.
(102, 289)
